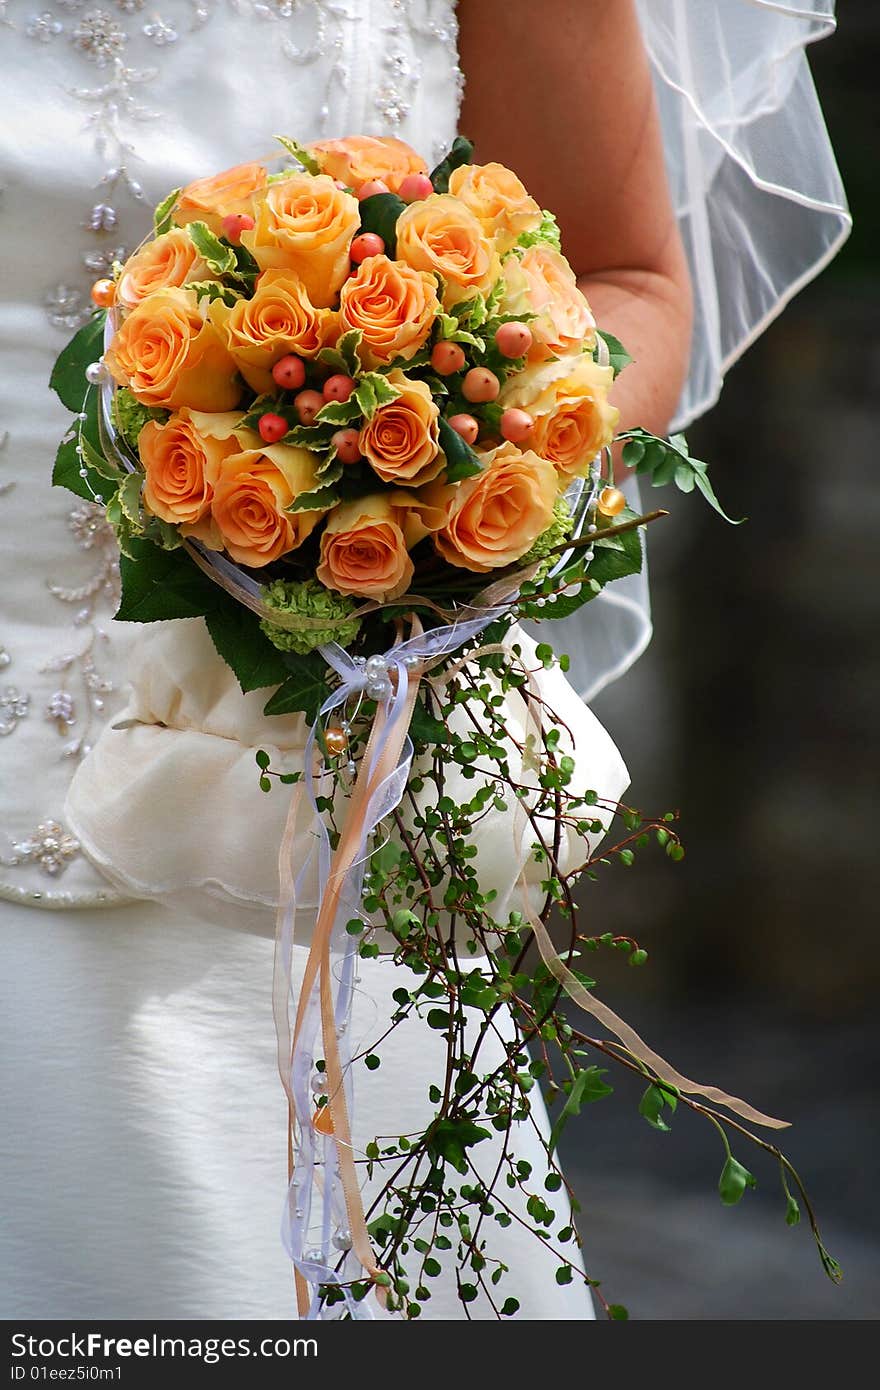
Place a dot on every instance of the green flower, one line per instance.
(547, 233)
(558, 531)
(309, 599)
(129, 416)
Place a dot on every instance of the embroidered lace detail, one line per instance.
(50, 846)
(116, 53)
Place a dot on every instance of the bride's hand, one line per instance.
(561, 92)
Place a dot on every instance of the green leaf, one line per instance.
(461, 460)
(564, 1274)
(617, 1312)
(792, 1211)
(344, 356)
(449, 1139)
(68, 379)
(651, 1106)
(305, 688)
(705, 487)
(509, 1307)
(66, 470)
(239, 640)
(587, 1087)
(379, 214)
(300, 154)
(364, 397)
(385, 391)
(461, 152)
(668, 460)
(733, 1181)
(439, 1019)
(212, 289)
(130, 497)
(217, 255)
(162, 217)
(336, 413)
(158, 584)
(616, 556)
(320, 499)
(426, 728)
(618, 357)
(246, 267)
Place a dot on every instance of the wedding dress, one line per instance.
(142, 1157)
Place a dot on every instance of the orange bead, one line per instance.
(611, 501)
(103, 293)
(322, 1120)
(336, 740)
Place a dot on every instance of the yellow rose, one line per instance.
(306, 224)
(365, 544)
(393, 305)
(181, 467)
(253, 490)
(361, 158)
(279, 319)
(401, 440)
(210, 200)
(170, 259)
(568, 400)
(169, 354)
(498, 199)
(543, 283)
(495, 517)
(441, 234)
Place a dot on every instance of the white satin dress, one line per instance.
(142, 1145)
(142, 1153)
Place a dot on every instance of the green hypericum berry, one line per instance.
(129, 416)
(558, 531)
(308, 599)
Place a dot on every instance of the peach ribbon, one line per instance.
(587, 1001)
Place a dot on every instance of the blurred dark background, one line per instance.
(753, 712)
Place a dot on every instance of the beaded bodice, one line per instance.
(108, 106)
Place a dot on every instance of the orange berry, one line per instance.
(480, 385)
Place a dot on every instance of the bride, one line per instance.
(143, 1157)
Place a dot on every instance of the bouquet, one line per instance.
(356, 415)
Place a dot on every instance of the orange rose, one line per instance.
(497, 199)
(181, 467)
(359, 158)
(393, 305)
(495, 517)
(364, 548)
(210, 200)
(543, 283)
(401, 440)
(169, 354)
(306, 224)
(170, 259)
(441, 234)
(253, 490)
(568, 399)
(279, 319)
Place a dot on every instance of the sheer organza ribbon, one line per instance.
(324, 1206)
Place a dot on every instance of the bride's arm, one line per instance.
(560, 91)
